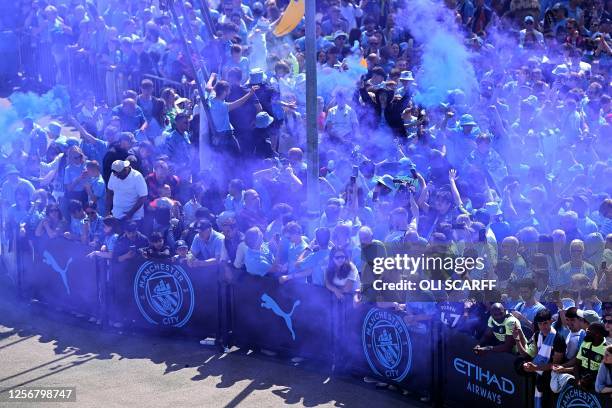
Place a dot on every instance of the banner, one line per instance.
(572, 397)
(295, 318)
(165, 297)
(379, 343)
(488, 380)
(61, 274)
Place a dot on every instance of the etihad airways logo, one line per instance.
(483, 376)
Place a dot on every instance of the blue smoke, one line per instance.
(330, 79)
(445, 61)
(55, 102)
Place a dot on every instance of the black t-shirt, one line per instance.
(124, 244)
(559, 346)
(151, 252)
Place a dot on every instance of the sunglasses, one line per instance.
(340, 257)
(607, 321)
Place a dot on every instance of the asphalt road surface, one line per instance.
(40, 347)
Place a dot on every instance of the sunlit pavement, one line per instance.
(41, 347)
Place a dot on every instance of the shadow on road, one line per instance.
(307, 385)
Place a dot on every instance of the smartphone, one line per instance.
(375, 196)
(414, 173)
(604, 266)
(353, 180)
(355, 171)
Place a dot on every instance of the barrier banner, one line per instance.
(294, 318)
(379, 343)
(61, 274)
(165, 297)
(571, 397)
(488, 380)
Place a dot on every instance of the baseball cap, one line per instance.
(589, 315)
(406, 76)
(467, 120)
(181, 244)
(120, 165)
(338, 34)
(567, 303)
(54, 128)
(528, 19)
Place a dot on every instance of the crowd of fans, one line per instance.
(518, 173)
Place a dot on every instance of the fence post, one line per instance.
(438, 363)
(101, 285)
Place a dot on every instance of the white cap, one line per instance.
(120, 165)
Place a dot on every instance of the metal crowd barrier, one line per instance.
(293, 319)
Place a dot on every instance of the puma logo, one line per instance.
(63, 272)
(269, 303)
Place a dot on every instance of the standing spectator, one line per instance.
(207, 247)
(341, 276)
(126, 192)
(178, 143)
(131, 117)
(341, 122)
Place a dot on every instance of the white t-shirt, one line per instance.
(352, 276)
(342, 120)
(126, 192)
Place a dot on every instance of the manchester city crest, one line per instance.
(572, 397)
(386, 344)
(164, 294)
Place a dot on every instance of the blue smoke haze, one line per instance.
(445, 60)
(55, 102)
